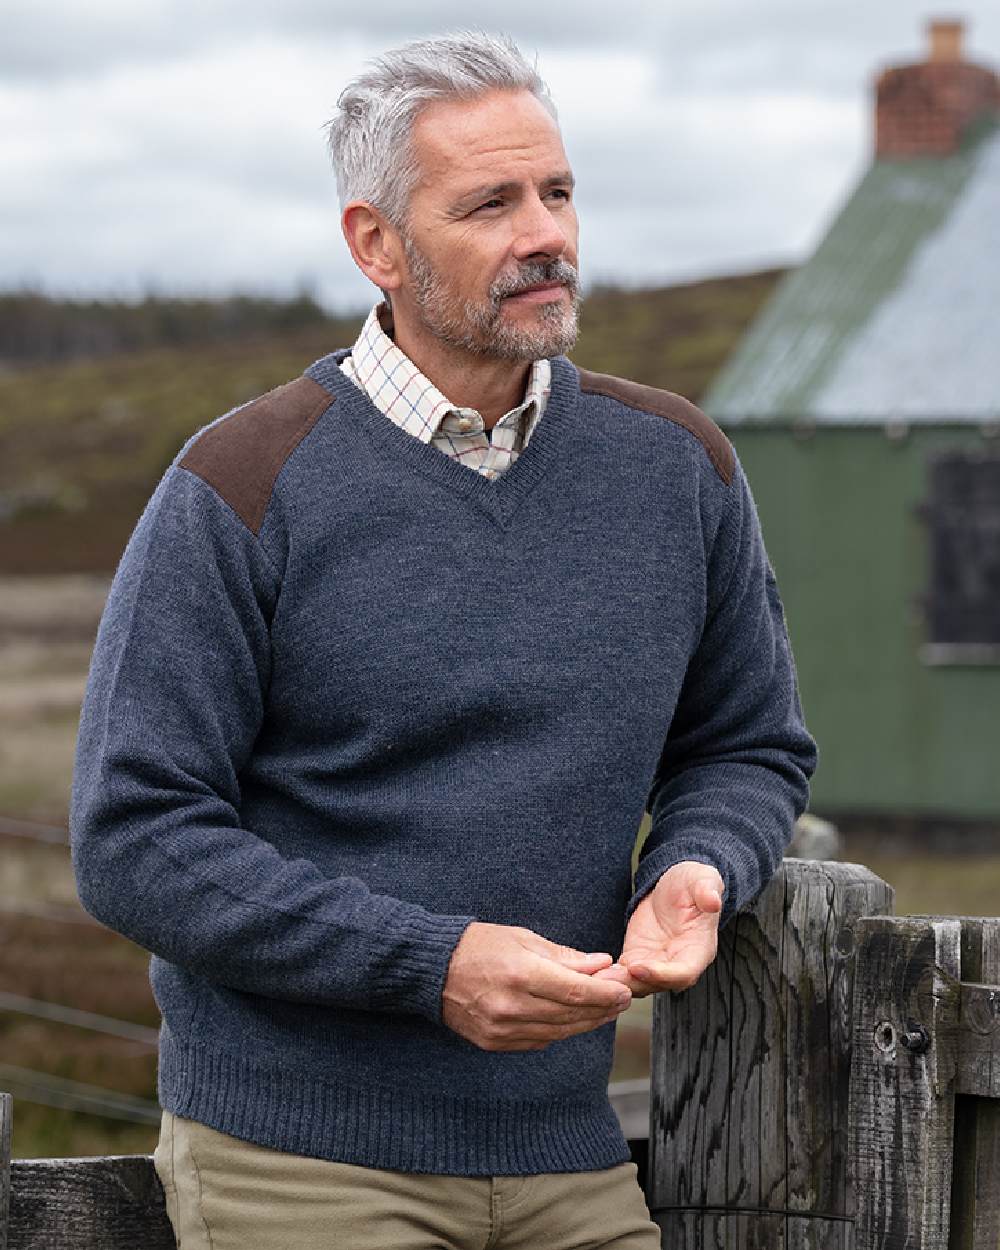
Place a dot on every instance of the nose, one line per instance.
(539, 232)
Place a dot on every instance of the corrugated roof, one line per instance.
(897, 314)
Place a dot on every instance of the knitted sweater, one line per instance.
(348, 695)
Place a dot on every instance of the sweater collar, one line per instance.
(408, 398)
(551, 451)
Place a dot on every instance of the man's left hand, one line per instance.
(672, 935)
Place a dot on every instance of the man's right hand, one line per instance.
(511, 989)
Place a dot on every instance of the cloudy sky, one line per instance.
(177, 145)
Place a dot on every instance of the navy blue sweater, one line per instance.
(348, 696)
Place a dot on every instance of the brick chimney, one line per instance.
(946, 40)
(925, 109)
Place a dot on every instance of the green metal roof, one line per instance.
(896, 315)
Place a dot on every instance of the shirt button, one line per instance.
(464, 423)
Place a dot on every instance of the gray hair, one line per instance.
(370, 134)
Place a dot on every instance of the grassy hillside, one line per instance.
(673, 337)
(84, 441)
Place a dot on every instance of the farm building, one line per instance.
(864, 402)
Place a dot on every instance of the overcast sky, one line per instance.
(177, 145)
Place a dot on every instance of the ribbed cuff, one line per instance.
(414, 979)
(652, 867)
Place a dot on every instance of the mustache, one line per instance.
(532, 274)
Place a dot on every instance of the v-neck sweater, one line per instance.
(410, 399)
(349, 695)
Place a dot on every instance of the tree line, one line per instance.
(37, 329)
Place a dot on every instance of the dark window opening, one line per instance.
(962, 602)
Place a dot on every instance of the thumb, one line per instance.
(707, 894)
(569, 957)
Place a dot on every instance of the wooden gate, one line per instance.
(831, 1083)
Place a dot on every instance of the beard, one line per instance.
(479, 327)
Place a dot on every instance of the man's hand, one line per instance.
(511, 989)
(672, 936)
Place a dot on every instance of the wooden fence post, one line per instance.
(975, 1192)
(902, 1096)
(925, 1091)
(6, 1116)
(750, 1073)
(113, 1203)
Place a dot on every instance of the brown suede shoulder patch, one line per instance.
(673, 407)
(241, 456)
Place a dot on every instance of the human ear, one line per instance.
(374, 244)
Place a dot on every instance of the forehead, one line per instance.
(507, 133)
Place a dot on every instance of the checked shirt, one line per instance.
(398, 389)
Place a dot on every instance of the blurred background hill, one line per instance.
(96, 398)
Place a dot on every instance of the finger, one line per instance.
(528, 1036)
(581, 961)
(620, 974)
(661, 974)
(615, 972)
(636, 987)
(544, 1011)
(550, 980)
(588, 964)
(707, 895)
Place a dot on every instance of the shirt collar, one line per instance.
(401, 392)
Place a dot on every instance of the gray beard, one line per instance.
(478, 328)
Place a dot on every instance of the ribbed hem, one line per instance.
(382, 1127)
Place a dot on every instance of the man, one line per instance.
(395, 659)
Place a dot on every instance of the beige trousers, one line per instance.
(226, 1194)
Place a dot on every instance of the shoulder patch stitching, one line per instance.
(605, 384)
(245, 480)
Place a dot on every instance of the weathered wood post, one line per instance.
(925, 1085)
(6, 1113)
(750, 1073)
(975, 1206)
(903, 1082)
(111, 1203)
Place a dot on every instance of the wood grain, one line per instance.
(975, 1195)
(88, 1204)
(906, 996)
(978, 1058)
(699, 1230)
(750, 1071)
